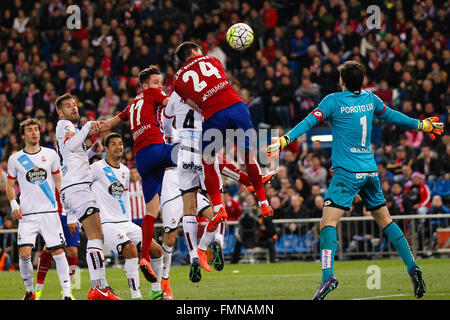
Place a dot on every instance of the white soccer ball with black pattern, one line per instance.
(240, 36)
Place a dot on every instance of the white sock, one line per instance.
(206, 239)
(96, 263)
(131, 268)
(26, 271)
(167, 260)
(219, 233)
(260, 203)
(72, 269)
(190, 228)
(157, 266)
(62, 268)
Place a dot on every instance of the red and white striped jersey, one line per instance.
(137, 200)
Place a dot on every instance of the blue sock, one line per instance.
(328, 247)
(400, 244)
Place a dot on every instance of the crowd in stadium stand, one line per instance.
(290, 67)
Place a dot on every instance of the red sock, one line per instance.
(148, 228)
(233, 172)
(45, 262)
(256, 178)
(73, 262)
(212, 183)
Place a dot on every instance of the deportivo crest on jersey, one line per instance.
(116, 189)
(36, 175)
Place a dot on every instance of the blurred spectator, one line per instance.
(136, 197)
(402, 201)
(316, 174)
(8, 241)
(232, 207)
(427, 164)
(419, 193)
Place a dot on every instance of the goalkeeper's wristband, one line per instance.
(284, 142)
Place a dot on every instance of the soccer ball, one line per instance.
(240, 36)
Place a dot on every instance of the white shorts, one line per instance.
(117, 235)
(172, 211)
(190, 171)
(79, 201)
(48, 225)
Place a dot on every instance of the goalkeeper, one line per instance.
(350, 114)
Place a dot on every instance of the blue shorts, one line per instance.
(236, 116)
(151, 163)
(345, 185)
(71, 240)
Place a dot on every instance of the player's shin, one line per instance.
(62, 269)
(167, 258)
(400, 244)
(148, 228)
(73, 263)
(328, 247)
(212, 184)
(157, 266)
(131, 268)
(44, 264)
(26, 272)
(96, 263)
(190, 228)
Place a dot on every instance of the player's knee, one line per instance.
(72, 252)
(155, 250)
(170, 238)
(129, 251)
(25, 252)
(57, 251)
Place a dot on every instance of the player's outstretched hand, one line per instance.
(278, 144)
(97, 147)
(431, 126)
(72, 227)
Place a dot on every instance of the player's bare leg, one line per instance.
(148, 229)
(96, 259)
(170, 239)
(131, 268)
(328, 247)
(395, 234)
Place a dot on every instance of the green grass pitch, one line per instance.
(278, 281)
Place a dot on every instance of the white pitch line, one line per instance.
(395, 295)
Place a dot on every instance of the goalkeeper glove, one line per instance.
(274, 149)
(431, 126)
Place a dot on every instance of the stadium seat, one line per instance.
(441, 188)
(288, 244)
(229, 241)
(306, 243)
(181, 245)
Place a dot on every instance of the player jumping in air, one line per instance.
(76, 194)
(350, 114)
(202, 83)
(190, 180)
(152, 154)
(36, 169)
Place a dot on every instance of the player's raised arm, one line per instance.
(314, 118)
(431, 126)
